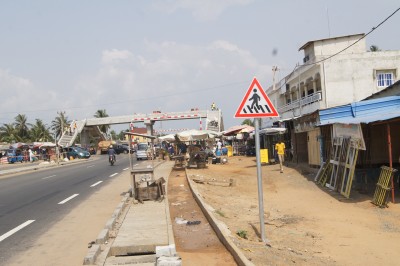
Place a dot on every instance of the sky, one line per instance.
(139, 56)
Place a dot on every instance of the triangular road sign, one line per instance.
(256, 103)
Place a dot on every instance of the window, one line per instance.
(384, 79)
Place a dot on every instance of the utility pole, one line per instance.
(274, 69)
(61, 133)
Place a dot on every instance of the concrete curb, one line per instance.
(92, 255)
(171, 238)
(219, 227)
(104, 234)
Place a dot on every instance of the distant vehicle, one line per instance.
(126, 148)
(157, 112)
(111, 159)
(141, 152)
(118, 148)
(103, 146)
(76, 152)
(92, 150)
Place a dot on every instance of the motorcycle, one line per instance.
(111, 159)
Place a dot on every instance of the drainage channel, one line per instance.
(195, 240)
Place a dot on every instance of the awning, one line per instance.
(366, 112)
(273, 130)
(238, 129)
(167, 138)
(194, 134)
(19, 145)
(4, 147)
(43, 145)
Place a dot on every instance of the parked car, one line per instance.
(126, 148)
(141, 152)
(76, 152)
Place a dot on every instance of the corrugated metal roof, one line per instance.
(362, 112)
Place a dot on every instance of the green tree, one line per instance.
(22, 127)
(40, 132)
(58, 123)
(374, 48)
(9, 134)
(121, 134)
(114, 135)
(99, 114)
(248, 122)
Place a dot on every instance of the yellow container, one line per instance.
(264, 155)
(230, 151)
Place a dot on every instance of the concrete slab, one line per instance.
(146, 225)
(132, 260)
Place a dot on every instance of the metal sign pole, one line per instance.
(257, 105)
(259, 180)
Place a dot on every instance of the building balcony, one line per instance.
(309, 99)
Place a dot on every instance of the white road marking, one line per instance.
(90, 166)
(48, 177)
(16, 229)
(114, 174)
(67, 199)
(95, 184)
(126, 168)
(136, 164)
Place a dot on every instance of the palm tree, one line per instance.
(59, 123)
(40, 132)
(22, 126)
(99, 114)
(248, 122)
(9, 134)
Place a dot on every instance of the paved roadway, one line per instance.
(31, 202)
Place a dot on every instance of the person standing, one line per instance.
(280, 150)
(219, 145)
(30, 155)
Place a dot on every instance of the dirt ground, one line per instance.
(196, 242)
(304, 223)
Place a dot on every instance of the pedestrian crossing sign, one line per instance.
(256, 103)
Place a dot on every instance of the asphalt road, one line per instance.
(31, 202)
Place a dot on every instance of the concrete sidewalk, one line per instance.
(144, 235)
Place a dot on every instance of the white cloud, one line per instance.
(172, 77)
(202, 10)
(20, 96)
(115, 56)
(169, 76)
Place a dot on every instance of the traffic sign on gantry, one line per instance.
(255, 103)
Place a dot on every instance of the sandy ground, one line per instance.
(305, 224)
(66, 243)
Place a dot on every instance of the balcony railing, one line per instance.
(315, 97)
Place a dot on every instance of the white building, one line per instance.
(335, 71)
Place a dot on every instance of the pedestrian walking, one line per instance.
(280, 150)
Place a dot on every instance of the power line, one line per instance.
(344, 49)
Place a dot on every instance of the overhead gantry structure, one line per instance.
(90, 126)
